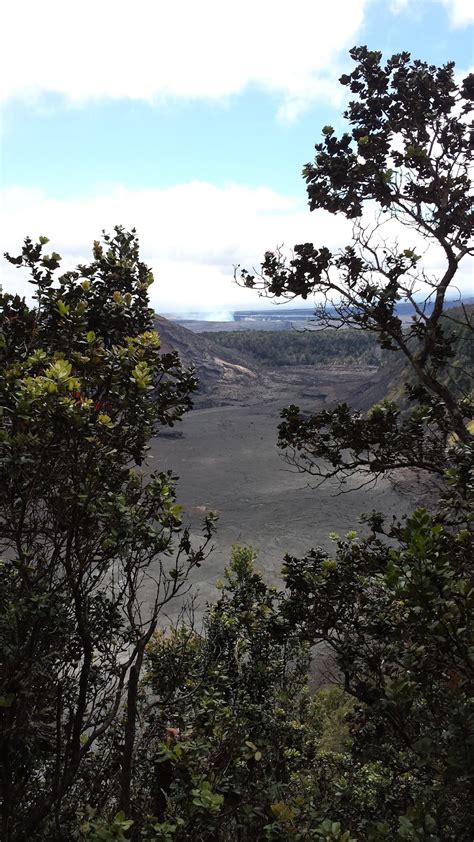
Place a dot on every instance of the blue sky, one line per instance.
(189, 120)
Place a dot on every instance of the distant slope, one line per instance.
(348, 348)
(224, 376)
(230, 376)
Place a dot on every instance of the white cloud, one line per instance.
(461, 11)
(191, 234)
(153, 50)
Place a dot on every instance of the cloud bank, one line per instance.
(191, 234)
(154, 50)
(461, 12)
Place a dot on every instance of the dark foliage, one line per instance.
(82, 531)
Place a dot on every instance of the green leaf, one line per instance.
(62, 308)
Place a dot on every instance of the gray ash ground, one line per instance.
(227, 461)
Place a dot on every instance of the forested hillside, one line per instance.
(345, 347)
(295, 347)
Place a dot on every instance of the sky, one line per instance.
(190, 121)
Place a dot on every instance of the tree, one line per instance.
(231, 731)
(408, 154)
(86, 537)
(398, 618)
(395, 606)
(232, 713)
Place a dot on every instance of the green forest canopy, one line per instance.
(302, 347)
(343, 347)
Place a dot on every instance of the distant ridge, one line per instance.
(279, 317)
